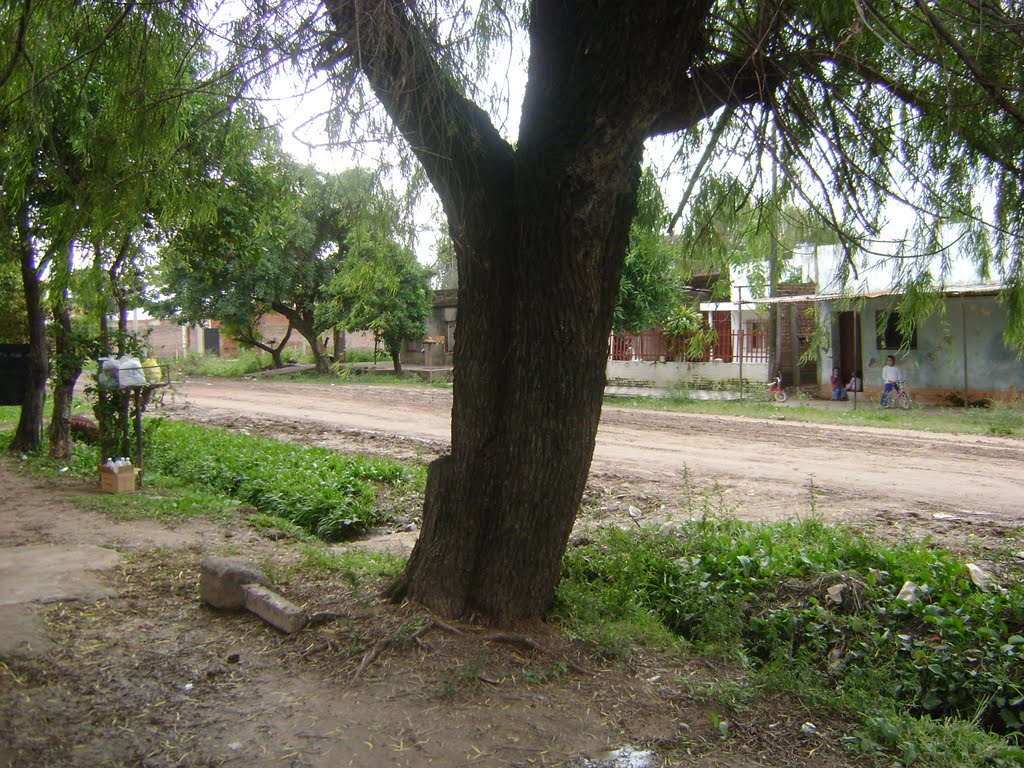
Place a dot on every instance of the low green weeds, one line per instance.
(817, 606)
(215, 365)
(1002, 419)
(358, 565)
(323, 493)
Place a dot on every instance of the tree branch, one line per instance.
(19, 45)
(732, 83)
(452, 137)
(980, 77)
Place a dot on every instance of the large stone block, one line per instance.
(274, 609)
(221, 580)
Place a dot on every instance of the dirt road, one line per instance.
(672, 465)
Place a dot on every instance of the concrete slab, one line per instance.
(277, 611)
(47, 573)
(23, 633)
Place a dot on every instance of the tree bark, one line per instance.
(338, 345)
(28, 436)
(302, 321)
(67, 369)
(540, 235)
(396, 358)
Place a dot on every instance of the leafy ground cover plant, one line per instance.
(900, 629)
(328, 495)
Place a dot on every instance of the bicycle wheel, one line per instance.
(780, 396)
(903, 400)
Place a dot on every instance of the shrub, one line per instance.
(762, 593)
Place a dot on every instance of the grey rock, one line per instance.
(221, 580)
(277, 611)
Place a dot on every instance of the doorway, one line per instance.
(849, 345)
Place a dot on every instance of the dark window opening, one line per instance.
(889, 336)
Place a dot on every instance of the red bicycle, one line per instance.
(775, 390)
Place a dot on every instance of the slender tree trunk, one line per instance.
(396, 358)
(28, 436)
(67, 368)
(120, 294)
(339, 345)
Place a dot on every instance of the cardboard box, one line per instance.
(121, 480)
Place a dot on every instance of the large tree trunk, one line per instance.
(530, 378)
(395, 351)
(67, 369)
(28, 436)
(540, 233)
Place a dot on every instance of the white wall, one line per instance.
(668, 375)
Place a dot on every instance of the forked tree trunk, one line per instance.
(540, 233)
(302, 321)
(66, 371)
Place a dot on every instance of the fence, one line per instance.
(654, 346)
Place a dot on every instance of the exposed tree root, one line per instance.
(322, 617)
(370, 656)
(508, 638)
(498, 637)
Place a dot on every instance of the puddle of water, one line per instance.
(623, 757)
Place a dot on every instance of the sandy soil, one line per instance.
(123, 666)
(963, 491)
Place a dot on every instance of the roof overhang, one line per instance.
(951, 292)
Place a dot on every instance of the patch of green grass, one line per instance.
(344, 374)
(814, 608)
(216, 365)
(556, 671)
(355, 355)
(1001, 419)
(264, 521)
(320, 491)
(9, 414)
(357, 564)
(163, 500)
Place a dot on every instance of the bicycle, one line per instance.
(775, 390)
(897, 396)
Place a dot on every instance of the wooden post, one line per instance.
(794, 343)
(137, 393)
(963, 330)
(739, 335)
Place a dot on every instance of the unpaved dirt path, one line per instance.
(673, 465)
(126, 668)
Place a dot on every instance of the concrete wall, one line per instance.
(687, 375)
(936, 368)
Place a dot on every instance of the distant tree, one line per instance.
(97, 104)
(648, 292)
(279, 236)
(13, 328)
(382, 288)
(445, 267)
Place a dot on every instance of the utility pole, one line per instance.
(774, 326)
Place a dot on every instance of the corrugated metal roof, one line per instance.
(814, 297)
